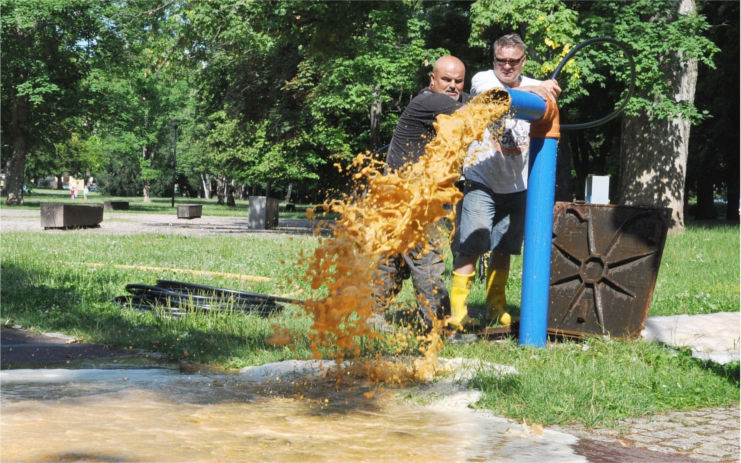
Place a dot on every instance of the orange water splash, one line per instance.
(389, 215)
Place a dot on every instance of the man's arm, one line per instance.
(548, 89)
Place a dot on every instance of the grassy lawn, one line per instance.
(65, 282)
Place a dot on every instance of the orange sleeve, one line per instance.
(548, 126)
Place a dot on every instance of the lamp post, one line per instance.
(175, 123)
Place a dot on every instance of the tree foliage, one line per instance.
(271, 94)
(662, 39)
(45, 56)
(312, 83)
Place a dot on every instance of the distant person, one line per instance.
(493, 206)
(73, 192)
(444, 95)
(85, 192)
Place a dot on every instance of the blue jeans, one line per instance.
(491, 221)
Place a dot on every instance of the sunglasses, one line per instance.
(511, 62)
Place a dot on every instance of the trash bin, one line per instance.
(189, 211)
(604, 264)
(263, 213)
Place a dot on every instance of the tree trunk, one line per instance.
(19, 123)
(729, 148)
(230, 194)
(653, 154)
(146, 191)
(374, 117)
(220, 190)
(705, 197)
(733, 205)
(147, 183)
(15, 177)
(206, 182)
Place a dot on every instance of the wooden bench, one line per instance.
(64, 215)
(189, 211)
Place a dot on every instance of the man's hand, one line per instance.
(552, 88)
(548, 89)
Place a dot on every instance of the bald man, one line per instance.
(443, 96)
(415, 129)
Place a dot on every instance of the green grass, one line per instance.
(57, 282)
(699, 272)
(64, 282)
(598, 381)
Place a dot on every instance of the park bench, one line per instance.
(189, 211)
(64, 215)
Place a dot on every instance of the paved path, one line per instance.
(706, 434)
(22, 349)
(129, 223)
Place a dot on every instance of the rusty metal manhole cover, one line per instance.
(604, 263)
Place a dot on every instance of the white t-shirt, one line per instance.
(500, 164)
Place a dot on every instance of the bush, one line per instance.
(120, 177)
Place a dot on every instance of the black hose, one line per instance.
(178, 298)
(380, 150)
(225, 292)
(183, 306)
(631, 86)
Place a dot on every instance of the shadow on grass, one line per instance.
(56, 300)
(729, 371)
(711, 224)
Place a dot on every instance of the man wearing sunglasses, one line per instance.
(492, 216)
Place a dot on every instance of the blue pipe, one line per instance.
(536, 267)
(536, 259)
(526, 105)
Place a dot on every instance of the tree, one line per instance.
(139, 87)
(81, 75)
(713, 161)
(656, 128)
(315, 82)
(46, 44)
(667, 37)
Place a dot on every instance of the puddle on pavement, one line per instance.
(163, 415)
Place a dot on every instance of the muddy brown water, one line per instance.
(163, 415)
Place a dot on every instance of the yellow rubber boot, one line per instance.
(459, 289)
(496, 300)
